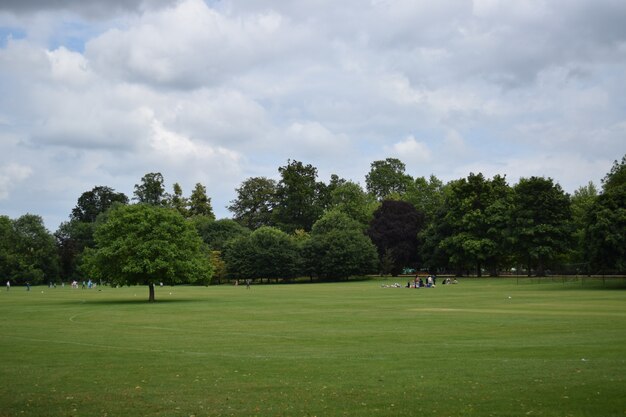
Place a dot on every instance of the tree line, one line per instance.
(302, 226)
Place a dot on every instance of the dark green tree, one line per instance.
(338, 248)
(35, 258)
(298, 203)
(394, 231)
(476, 217)
(98, 200)
(605, 233)
(386, 178)
(73, 236)
(151, 190)
(200, 203)
(541, 222)
(266, 253)
(145, 244)
(178, 202)
(256, 198)
(216, 233)
(581, 202)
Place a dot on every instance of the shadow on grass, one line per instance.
(135, 301)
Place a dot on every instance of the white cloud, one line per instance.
(214, 92)
(11, 176)
(411, 151)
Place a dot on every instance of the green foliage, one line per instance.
(151, 190)
(27, 250)
(91, 203)
(387, 177)
(256, 198)
(541, 222)
(145, 244)
(337, 248)
(178, 202)
(200, 203)
(298, 197)
(266, 253)
(605, 232)
(426, 195)
(476, 216)
(581, 203)
(216, 233)
(349, 198)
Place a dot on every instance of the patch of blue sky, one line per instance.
(73, 35)
(7, 33)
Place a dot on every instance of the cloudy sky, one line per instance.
(97, 92)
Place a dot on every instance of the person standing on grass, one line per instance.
(8, 285)
(248, 284)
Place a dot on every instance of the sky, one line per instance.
(99, 93)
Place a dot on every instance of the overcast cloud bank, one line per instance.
(215, 92)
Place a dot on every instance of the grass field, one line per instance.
(487, 347)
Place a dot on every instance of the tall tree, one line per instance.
(349, 198)
(541, 222)
(298, 204)
(338, 248)
(476, 217)
(426, 195)
(144, 244)
(96, 201)
(394, 231)
(35, 255)
(605, 235)
(151, 190)
(177, 201)
(200, 203)
(256, 198)
(73, 236)
(386, 178)
(581, 202)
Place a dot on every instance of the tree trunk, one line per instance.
(151, 287)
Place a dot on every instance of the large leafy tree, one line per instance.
(73, 236)
(605, 233)
(387, 178)
(581, 203)
(256, 198)
(426, 195)
(151, 190)
(476, 217)
(216, 233)
(349, 198)
(145, 244)
(338, 248)
(27, 250)
(394, 231)
(266, 253)
(541, 222)
(96, 201)
(298, 203)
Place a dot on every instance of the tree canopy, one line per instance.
(146, 244)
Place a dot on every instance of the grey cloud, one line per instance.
(87, 8)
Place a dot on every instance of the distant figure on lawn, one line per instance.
(8, 285)
(28, 286)
(248, 284)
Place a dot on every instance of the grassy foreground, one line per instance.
(484, 347)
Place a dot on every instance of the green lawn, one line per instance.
(484, 347)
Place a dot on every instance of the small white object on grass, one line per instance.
(509, 296)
